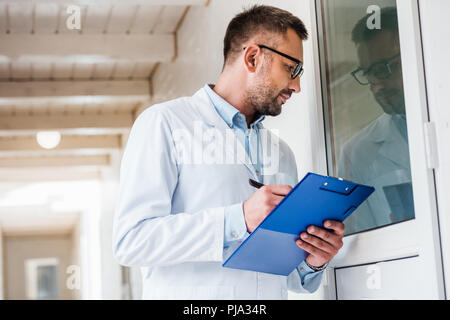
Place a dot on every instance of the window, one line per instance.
(364, 108)
(42, 278)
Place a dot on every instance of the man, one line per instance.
(378, 155)
(184, 208)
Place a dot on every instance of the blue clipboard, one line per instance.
(271, 247)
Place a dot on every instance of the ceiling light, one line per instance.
(48, 139)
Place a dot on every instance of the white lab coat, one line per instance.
(378, 156)
(170, 212)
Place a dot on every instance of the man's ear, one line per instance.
(252, 58)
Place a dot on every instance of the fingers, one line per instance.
(278, 189)
(275, 200)
(338, 227)
(313, 250)
(322, 245)
(329, 237)
(274, 194)
(261, 203)
(314, 242)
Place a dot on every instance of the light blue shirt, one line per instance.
(235, 227)
(249, 138)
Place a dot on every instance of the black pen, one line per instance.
(255, 184)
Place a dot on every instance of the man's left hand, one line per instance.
(322, 245)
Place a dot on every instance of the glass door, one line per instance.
(374, 112)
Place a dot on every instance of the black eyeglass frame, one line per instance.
(298, 69)
(386, 62)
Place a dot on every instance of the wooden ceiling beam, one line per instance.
(47, 174)
(90, 89)
(68, 142)
(55, 161)
(88, 47)
(36, 123)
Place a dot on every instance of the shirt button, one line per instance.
(302, 269)
(238, 117)
(234, 234)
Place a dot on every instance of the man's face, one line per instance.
(273, 84)
(387, 92)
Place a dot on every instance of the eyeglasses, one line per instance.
(380, 70)
(296, 71)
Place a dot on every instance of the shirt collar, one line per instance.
(258, 122)
(226, 111)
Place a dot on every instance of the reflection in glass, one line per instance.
(367, 140)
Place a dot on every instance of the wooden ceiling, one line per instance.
(88, 83)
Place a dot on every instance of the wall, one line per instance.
(110, 269)
(18, 249)
(200, 60)
(91, 248)
(75, 256)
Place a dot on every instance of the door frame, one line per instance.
(419, 237)
(435, 52)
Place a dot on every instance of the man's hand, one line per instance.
(322, 245)
(262, 202)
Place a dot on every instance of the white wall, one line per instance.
(20, 248)
(200, 60)
(111, 272)
(75, 258)
(90, 247)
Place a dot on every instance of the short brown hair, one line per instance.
(255, 19)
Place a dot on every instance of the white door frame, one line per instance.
(421, 163)
(435, 35)
(415, 237)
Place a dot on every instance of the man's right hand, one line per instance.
(262, 202)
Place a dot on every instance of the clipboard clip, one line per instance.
(338, 186)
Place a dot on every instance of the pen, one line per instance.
(255, 184)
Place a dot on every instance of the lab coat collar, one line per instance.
(223, 107)
(206, 110)
(227, 111)
(209, 115)
(381, 132)
(392, 145)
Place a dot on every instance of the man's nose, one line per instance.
(294, 85)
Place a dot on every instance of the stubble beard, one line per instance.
(395, 104)
(264, 98)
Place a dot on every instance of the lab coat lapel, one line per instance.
(271, 151)
(233, 147)
(391, 144)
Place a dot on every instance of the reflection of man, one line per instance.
(378, 155)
